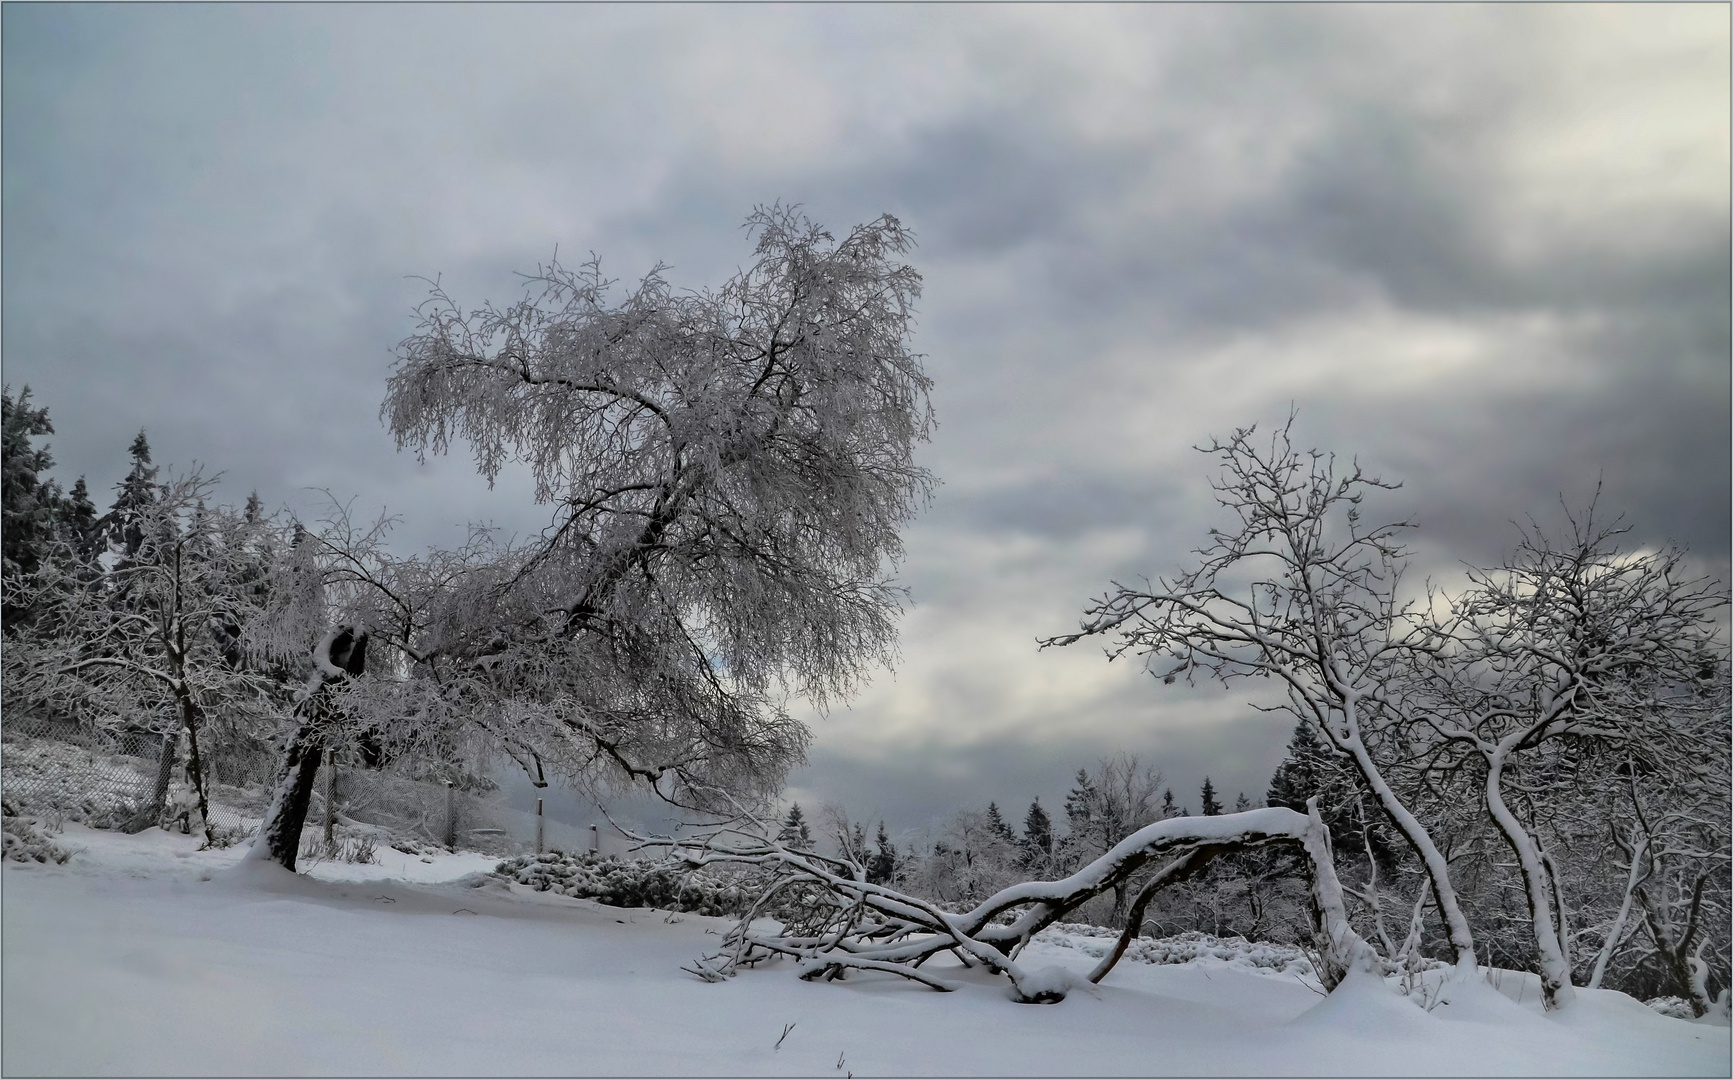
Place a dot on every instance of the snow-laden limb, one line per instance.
(832, 919)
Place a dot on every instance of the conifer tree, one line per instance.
(1242, 804)
(795, 831)
(882, 867)
(1309, 770)
(1079, 803)
(80, 527)
(29, 502)
(1211, 808)
(1168, 808)
(136, 492)
(1037, 843)
(1000, 828)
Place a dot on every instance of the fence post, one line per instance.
(539, 834)
(595, 841)
(450, 816)
(330, 794)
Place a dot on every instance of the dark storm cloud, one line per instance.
(1388, 203)
(1139, 226)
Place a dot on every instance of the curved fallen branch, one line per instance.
(833, 919)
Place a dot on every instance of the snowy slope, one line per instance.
(142, 956)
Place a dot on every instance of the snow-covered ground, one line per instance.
(142, 956)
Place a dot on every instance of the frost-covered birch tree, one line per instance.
(1302, 590)
(727, 469)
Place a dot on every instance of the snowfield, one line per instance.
(143, 956)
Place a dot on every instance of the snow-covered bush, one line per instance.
(224, 836)
(618, 882)
(22, 838)
(1262, 956)
(1676, 1007)
(346, 846)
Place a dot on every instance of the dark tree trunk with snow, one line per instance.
(280, 835)
(341, 655)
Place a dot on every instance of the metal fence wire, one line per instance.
(112, 778)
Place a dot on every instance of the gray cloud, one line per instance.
(1483, 248)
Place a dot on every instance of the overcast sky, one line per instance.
(1486, 249)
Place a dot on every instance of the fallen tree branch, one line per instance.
(831, 919)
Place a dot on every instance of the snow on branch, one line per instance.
(822, 912)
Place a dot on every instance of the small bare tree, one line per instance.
(1303, 591)
(1572, 639)
(162, 631)
(1106, 806)
(1679, 880)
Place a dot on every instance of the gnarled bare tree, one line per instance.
(1303, 591)
(728, 472)
(1573, 639)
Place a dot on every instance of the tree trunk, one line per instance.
(195, 765)
(1437, 868)
(1172, 874)
(330, 797)
(1638, 849)
(151, 813)
(196, 773)
(1555, 973)
(279, 839)
(340, 655)
(1685, 968)
(1121, 897)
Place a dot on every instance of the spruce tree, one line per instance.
(1080, 804)
(80, 527)
(1000, 828)
(1211, 808)
(1310, 770)
(882, 868)
(1242, 804)
(795, 831)
(28, 503)
(1037, 843)
(135, 492)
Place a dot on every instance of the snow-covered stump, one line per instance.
(834, 920)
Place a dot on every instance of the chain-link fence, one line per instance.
(452, 816)
(115, 778)
(533, 833)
